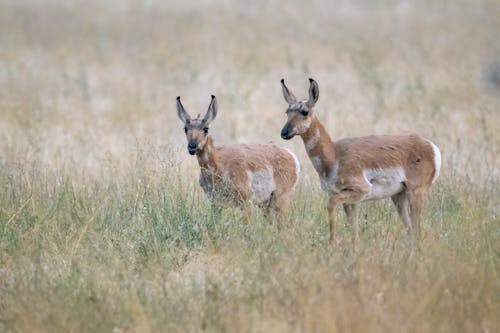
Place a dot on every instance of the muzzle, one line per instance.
(192, 147)
(287, 132)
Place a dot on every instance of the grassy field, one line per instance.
(103, 227)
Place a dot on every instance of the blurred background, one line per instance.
(99, 203)
(90, 86)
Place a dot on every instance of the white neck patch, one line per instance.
(312, 142)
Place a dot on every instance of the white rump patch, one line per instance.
(261, 184)
(437, 161)
(312, 142)
(297, 165)
(384, 183)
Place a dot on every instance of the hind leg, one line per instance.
(416, 198)
(402, 204)
(351, 212)
(268, 208)
(403, 207)
(278, 205)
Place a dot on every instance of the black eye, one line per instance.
(304, 113)
(185, 129)
(205, 130)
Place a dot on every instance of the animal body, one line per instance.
(356, 169)
(240, 174)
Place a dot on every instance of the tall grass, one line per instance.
(103, 226)
(146, 253)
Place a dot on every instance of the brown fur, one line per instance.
(225, 170)
(341, 165)
(234, 161)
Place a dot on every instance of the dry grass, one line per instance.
(102, 224)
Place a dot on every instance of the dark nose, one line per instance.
(192, 147)
(285, 133)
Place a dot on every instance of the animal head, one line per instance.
(299, 113)
(196, 129)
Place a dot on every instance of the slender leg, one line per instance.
(350, 196)
(273, 207)
(402, 206)
(332, 202)
(351, 212)
(279, 204)
(416, 198)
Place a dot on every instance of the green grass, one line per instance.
(146, 253)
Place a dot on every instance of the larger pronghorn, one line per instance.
(355, 169)
(239, 174)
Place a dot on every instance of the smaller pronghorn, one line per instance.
(240, 174)
(355, 169)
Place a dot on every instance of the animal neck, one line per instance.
(319, 147)
(208, 157)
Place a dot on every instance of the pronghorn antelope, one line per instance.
(240, 174)
(356, 169)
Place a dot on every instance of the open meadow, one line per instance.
(104, 227)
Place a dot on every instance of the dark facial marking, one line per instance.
(301, 111)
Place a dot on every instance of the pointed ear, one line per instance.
(289, 97)
(211, 113)
(183, 115)
(313, 93)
